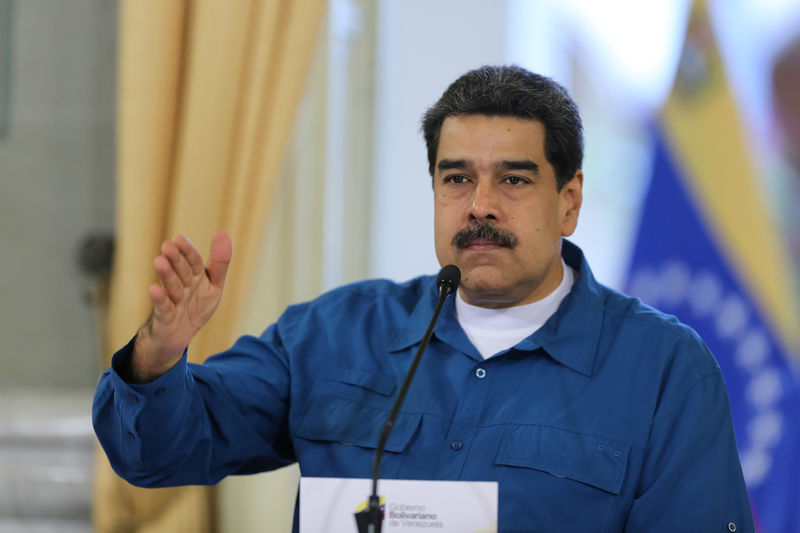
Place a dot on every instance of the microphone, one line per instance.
(370, 519)
(448, 280)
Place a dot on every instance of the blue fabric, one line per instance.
(611, 417)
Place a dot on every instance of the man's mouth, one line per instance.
(483, 236)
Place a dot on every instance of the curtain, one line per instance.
(207, 93)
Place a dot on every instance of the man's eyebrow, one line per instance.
(451, 164)
(520, 164)
(510, 164)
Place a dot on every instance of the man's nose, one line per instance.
(484, 202)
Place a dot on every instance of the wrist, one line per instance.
(147, 362)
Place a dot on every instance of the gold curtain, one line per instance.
(207, 93)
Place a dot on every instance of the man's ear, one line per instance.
(570, 199)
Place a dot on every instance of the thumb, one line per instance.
(219, 258)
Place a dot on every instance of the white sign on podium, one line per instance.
(328, 505)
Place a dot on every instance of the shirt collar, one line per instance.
(569, 336)
(447, 328)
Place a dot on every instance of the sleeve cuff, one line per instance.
(165, 387)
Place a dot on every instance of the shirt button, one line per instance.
(456, 445)
(159, 391)
(731, 527)
(480, 373)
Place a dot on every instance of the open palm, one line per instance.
(184, 300)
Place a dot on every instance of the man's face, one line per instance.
(498, 214)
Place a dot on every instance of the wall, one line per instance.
(56, 187)
(422, 47)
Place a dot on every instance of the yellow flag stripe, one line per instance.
(703, 128)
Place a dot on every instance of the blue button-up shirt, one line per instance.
(611, 417)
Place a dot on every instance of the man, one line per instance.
(592, 411)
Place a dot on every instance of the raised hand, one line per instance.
(183, 301)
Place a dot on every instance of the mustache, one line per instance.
(484, 232)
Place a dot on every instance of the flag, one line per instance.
(707, 251)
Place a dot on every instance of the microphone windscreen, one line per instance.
(449, 277)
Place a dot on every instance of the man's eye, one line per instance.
(455, 179)
(516, 180)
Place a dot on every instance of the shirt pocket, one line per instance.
(585, 458)
(343, 423)
(561, 476)
(377, 383)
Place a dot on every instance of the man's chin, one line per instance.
(480, 286)
(485, 271)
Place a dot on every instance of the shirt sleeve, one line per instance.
(198, 423)
(692, 479)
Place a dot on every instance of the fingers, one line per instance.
(190, 254)
(180, 265)
(158, 295)
(162, 305)
(219, 258)
(177, 259)
(170, 281)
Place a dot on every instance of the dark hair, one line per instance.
(513, 91)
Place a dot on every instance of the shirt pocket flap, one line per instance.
(382, 385)
(594, 461)
(355, 423)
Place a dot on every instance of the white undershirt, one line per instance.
(494, 330)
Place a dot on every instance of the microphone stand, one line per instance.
(370, 519)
